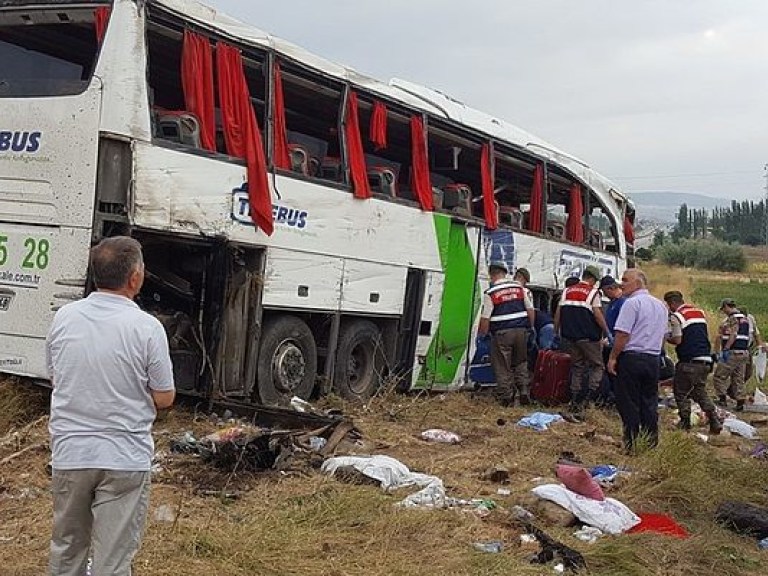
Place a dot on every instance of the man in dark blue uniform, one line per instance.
(507, 315)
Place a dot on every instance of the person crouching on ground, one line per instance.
(688, 332)
(733, 355)
(641, 329)
(507, 315)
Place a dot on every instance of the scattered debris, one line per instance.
(503, 492)
(30, 448)
(493, 547)
(539, 421)
(609, 515)
(164, 513)
(743, 518)
(441, 436)
(763, 544)
(578, 480)
(660, 524)
(498, 474)
(551, 549)
(760, 452)
(741, 428)
(589, 534)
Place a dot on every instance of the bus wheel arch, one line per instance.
(287, 363)
(361, 361)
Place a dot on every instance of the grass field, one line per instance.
(307, 524)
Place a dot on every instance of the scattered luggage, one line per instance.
(551, 378)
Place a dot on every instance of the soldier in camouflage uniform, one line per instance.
(733, 347)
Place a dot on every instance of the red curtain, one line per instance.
(281, 156)
(101, 18)
(629, 231)
(197, 82)
(489, 200)
(422, 187)
(378, 128)
(241, 132)
(537, 200)
(357, 166)
(574, 226)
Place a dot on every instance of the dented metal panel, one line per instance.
(123, 68)
(373, 288)
(301, 280)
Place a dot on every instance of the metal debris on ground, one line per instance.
(285, 441)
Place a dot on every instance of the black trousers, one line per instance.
(637, 396)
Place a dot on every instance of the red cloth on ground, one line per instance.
(659, 523)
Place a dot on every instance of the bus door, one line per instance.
(444, 366)
(49, 123)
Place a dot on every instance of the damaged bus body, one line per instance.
(121, 118)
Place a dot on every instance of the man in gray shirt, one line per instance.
(111, 371)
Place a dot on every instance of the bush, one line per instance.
(644, 254)
(708, 254)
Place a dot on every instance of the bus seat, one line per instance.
(437, 198)
(330, 169)
(555, 229)
(596, 239)
(300, 159)
(181, 127)
(458, 199)
(382, 179)
(511, 216)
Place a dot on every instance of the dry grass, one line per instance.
(309, 524)
(304, 525)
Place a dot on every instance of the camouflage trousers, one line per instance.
(729, 376)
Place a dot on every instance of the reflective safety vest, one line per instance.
(577, 319)
(742, 335)
(509, 311)
(695, 341)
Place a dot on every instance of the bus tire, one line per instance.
(287, 364)
(360, 361)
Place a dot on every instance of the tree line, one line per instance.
(741, 223)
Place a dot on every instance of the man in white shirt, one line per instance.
(111, 371)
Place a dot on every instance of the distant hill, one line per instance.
(662, 206)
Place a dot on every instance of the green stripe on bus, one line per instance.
(461, 300)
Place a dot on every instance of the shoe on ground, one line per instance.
(739, 406)
(684, 425)
(715, 426)
(722, 401)
(525, 400)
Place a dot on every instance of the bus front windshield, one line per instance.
(46, 51)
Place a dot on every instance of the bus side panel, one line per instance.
(302, 281)
(47, 190)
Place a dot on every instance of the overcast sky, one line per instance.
(656, 94)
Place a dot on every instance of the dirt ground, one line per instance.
(203, 521)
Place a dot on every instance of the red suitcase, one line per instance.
(551, 378)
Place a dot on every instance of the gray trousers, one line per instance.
(98, 511)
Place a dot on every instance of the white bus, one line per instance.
(356, 256)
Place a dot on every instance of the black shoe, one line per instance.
(739, 406)
(722, 401)
(684, 424)
(715, 426)
(525, 400)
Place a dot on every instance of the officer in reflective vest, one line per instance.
(688, 332)
(507, 315)
(733, 347)
(579, 320)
